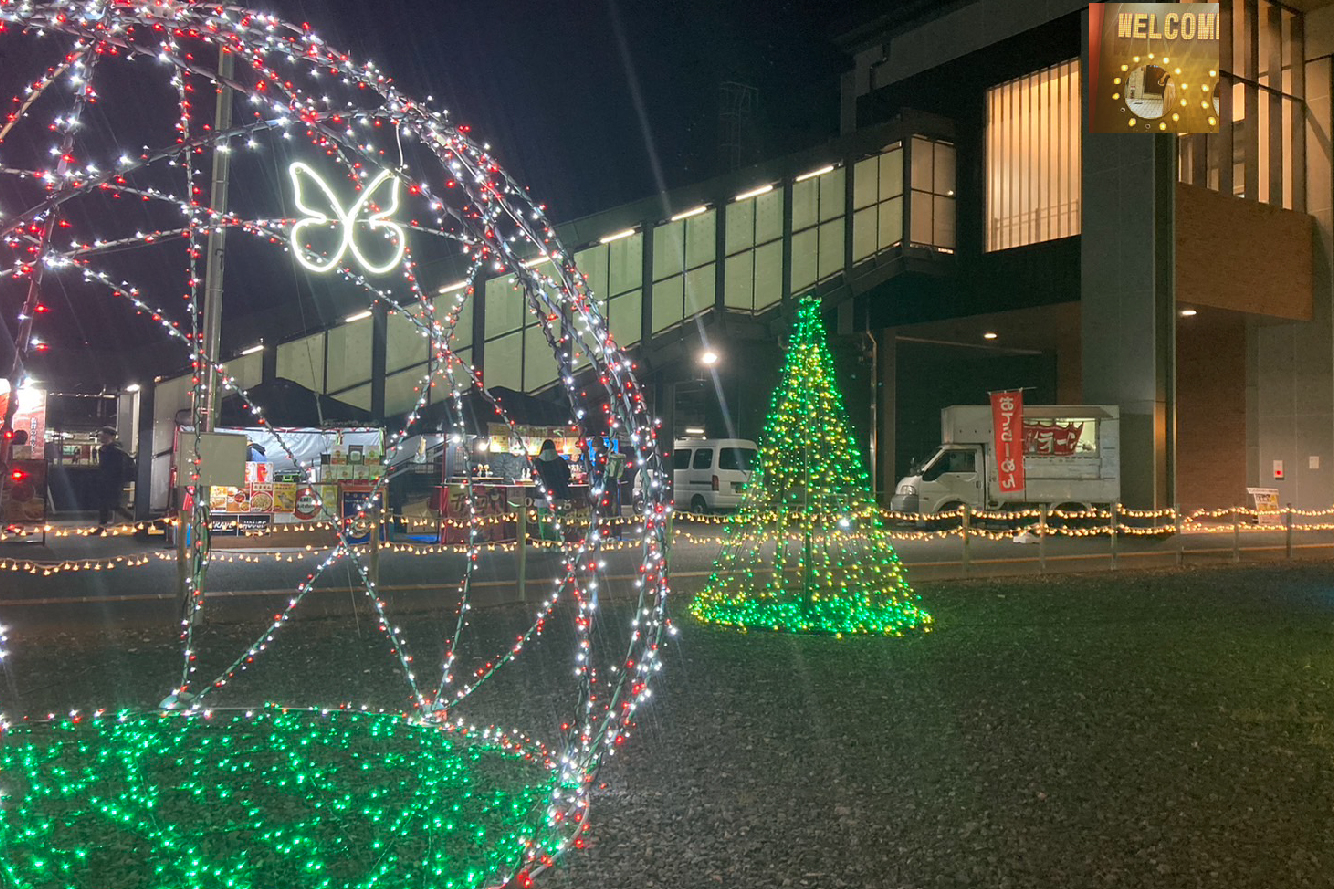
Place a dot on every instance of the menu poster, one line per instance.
(284, 496)
(261, 498)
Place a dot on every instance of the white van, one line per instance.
(708, 474)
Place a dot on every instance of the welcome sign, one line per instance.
(1153, 68)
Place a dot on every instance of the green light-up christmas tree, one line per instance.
(807, 551)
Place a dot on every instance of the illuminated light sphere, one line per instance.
(1130, 122)
(334, 171)
(808, 551)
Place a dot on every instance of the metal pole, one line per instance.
(964, 529)
(521, 549)
(1181, 540)
(217, 237)
(1236, 533)
(1111, 534)
(1287, 531)
(1042, 539)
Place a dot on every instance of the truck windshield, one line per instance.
(950, 460)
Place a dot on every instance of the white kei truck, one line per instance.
(1072, 461)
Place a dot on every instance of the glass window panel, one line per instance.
(668, 298)
(943, 222)
(539, 364)
(701, 233)
(302, 361)
(1288, 158)
(668, 249)
(832, 186)
(923, 164)
(891, 222)
(359, 396)
(699, 290)
(921, 218)
(805, 198)
(1263, 146)
(463, 330)
(891, 174)
(768, 275)
(863, 233)
(404, 344)
(400, 389)
(865, 182)
(247, 369)
(625, 319)
(944, 178)
(349, 354)
(831, 248)
(503, 360)
(1031, 177)
(626, 264)
(739, 276)
(769, 216)
(740, 234)
(593, 263)
(505, 306)
(805, 246)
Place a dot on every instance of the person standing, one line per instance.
(114, 468)
(555, 472)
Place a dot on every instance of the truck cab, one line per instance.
(952, 476)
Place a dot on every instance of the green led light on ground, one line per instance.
(291, 799)
(807, 552)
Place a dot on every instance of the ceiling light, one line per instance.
(616, 236)
(133, 387)
(990, 335)
(1187, 313)
(694, 430)
(708, 357)
(359, 316)
(827, 168)
(450, 288)
(755, 192)
(259, 347)
(693, 211)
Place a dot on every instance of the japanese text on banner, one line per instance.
(1007, 418)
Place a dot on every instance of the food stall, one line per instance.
(343, 466)
(502, 481)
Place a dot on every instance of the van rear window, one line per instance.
(737, 458)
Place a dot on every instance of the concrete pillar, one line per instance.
(886, 360)
(1128, 309)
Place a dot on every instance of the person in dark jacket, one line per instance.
(553, 469)
(114, 467)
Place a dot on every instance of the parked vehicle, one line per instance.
(1072, 461)
(708, 474)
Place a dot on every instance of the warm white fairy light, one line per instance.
(354, 118)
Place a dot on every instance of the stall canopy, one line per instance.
(286, 403)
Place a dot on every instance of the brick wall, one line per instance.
(1211, 410)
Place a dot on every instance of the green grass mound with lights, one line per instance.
(276, 798)
(839, 612)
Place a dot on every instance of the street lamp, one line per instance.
(708, 358)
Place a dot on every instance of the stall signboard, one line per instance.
(502, 439)
(29, 418)
(1268, 512)
(490, 505)
(23, 493)
(1007, 411)
(355, 498)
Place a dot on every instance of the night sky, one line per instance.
(590, 103)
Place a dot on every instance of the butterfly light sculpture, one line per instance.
(367, 210)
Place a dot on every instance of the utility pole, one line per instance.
(217, 242)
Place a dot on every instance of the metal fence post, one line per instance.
(1111, 534)
(1042, 539)
(1236, 533)
(1287, 531)
(1181, 540)
(964, 531)
(373, 569)
(521, 549)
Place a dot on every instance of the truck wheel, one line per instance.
(698, 506)
(1061, 522)
(944, 521)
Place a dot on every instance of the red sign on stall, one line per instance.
(1007, 422)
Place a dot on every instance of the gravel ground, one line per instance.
(1148, 729)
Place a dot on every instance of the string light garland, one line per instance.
(405, 168)
(807, 551)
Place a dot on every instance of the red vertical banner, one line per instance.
(1007, 423)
